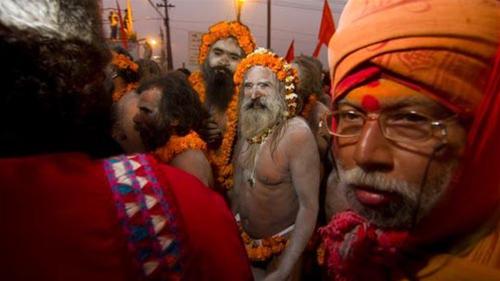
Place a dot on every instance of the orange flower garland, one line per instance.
(117, 95)
(123, 62)
(221, 158)
(279, 66)
(263, 249)
(177, 145)
(223, 30)
(308, 106)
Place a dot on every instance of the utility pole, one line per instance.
(239, 3)
(269, 24)
(166, 5)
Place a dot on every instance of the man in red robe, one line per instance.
(64, 214)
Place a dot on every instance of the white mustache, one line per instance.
(378, 181)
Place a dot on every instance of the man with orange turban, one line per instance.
(415, 118)
(221, 50)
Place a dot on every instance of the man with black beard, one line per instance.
(65, 215)
(221, 49)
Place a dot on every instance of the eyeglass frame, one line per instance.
(434, 123)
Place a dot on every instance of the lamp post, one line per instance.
(239, 4)
(166, 22)
(269, 24)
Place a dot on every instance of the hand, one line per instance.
(211, 133)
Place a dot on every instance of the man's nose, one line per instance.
(256, 93)
(224, 61)
(373, 151)
(136, 119)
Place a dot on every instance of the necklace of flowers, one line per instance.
(221, 158)
(177, 145)
(259, 138)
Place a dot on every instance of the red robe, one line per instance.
(68, 217)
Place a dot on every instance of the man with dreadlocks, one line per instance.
(415, 127)
(309, 107)
(277, 168)
(68, 214)
(221, 49)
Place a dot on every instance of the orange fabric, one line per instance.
(444, 45)
(481, 262)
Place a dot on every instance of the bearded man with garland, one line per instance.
(277, 169)
(68, 214)
(169, 113)
(416, 132)
(221, 50)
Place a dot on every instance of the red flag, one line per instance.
(123, 33)
(326, 29)
(290, 53)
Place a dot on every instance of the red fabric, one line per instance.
(326, 29)
(123, 33)
(215, 249)
(353, 246)
(290, 54)
(59, 222)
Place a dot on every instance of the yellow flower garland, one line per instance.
(221, 158)
(223, 30)
(177, 145)
(279, 66)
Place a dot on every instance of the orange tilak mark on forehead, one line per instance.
(370, 103)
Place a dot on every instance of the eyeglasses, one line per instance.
(400, 126)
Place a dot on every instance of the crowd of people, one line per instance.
(251, 168)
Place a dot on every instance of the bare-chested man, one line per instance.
(277, 169)
(221, 49)
(168, 115)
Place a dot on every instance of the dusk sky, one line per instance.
(297, 20)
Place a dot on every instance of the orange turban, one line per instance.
(444, 46)
(225, 29)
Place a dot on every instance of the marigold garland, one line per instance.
(308, 106)
(263, 249)
(223, 30)
(123, 62)
(279, 66)
(117, 95)
(221, 158)
(177, 145)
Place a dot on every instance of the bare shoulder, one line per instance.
(189, 157)
(196, 163)
(297, 130)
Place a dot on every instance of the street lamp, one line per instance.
(239, 4)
